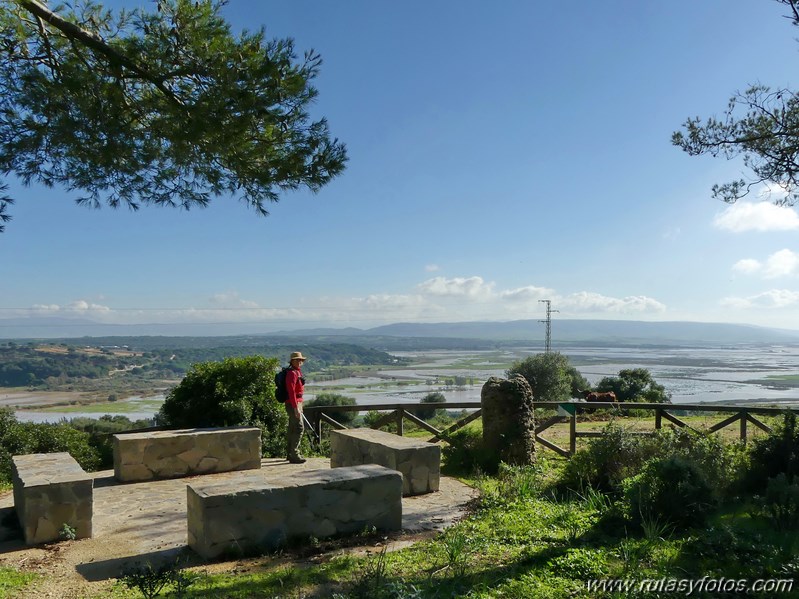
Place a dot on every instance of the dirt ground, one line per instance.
(141, 522)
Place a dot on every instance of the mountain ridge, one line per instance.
(564, 332)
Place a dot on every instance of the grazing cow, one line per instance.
(599, 396)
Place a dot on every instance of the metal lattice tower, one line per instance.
(548, 322)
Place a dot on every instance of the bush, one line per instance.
(606, 462)
(721, 462)
(100, 431)
(670, 490)
(776, 454)
(371, 417)
(19, 438)
(781, 503)
(335, 399)
(234, 392)
(428, 414)
(465, 454)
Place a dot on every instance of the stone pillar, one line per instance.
(509, 420)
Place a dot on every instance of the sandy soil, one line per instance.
(140, 522)
(38, 399)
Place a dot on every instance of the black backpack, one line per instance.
(281, 393)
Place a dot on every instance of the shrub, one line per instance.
(781, 503)
(18, 438)
(100, 431)
(721, 462)
(606, 462)
(778, 453)
(371, 417)
(150, 580)
(335, 399)
(672, 490)
(234, 392)
(465, 454)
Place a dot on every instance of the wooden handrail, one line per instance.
(581, 405)
(397, 412)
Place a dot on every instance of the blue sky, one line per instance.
(500, 153)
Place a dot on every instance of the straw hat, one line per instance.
(297, 356)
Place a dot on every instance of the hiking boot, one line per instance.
(297, 460)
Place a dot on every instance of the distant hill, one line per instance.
(454, 335)
(571, 332)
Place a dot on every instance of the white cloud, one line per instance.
(527, 294)
(436, 299)
(46, 307)
(586, 301)
(773, 298)
(747, 266)
(432, 268)
(77, 306)
(458, 287)
(231, 301)
(382, 301)
(781, 264)
(757, 216)
(84, 306)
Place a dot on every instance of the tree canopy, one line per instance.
(635, 384)
(164, 107)
(434, 397)
(549, 375)
(233, 392)
(761, 125)
(335, 399)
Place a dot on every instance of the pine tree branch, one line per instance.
(95, 42)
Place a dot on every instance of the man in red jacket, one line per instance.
(295, 384)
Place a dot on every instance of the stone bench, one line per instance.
(178, 453)
(51, 490)
(418, 461)
(246, 513)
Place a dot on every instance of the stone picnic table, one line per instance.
(141, 521)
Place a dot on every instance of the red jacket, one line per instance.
(294, 387)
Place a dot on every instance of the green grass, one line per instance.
(526, 538)
(522, 541)
(784, 377)
(12, 581)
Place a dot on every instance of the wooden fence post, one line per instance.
(400, 428)
(573, 433)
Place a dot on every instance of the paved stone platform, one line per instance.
(147, 520)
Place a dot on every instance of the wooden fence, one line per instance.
(569, 412)
(396, 413)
